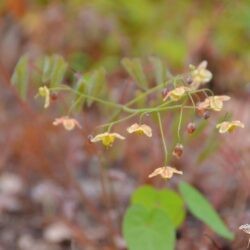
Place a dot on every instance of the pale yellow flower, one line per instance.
(44, 92)
(213, 102)
(107, 139)
(140, 129)
(229, 126)
(165, 172)
(200, 74)
(68, 123)
(177, 93)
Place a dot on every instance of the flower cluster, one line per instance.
(198, 76)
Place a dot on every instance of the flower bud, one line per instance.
(206, 115)
(53, 96)
(191, 127)
(90, 137)
(164, 92)
(178, 151)
(189, 80)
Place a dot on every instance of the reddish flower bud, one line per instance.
(90, 137)
(53, 96)
(189, 80)
(199, 111)
(206, 115)
(191, 127)
(164, 92)
(178, 151)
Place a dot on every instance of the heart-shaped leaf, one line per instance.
(168, 201)
(148, 229)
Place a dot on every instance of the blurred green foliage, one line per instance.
(172, 30)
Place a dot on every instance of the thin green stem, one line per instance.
(157, 109)
(161, 107)
(192, 100)
(179, 124)
(141, 117)
(162, 137)
(208, 90)
(91, 97)
(133, 111)
(118, 121)
(150, 91)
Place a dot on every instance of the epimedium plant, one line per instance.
(154, 215)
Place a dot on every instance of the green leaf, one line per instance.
(79, 99)
(135, 70)
(58, 70)
(54, 69)
(168, 201)
(96, 84)
(146, 229)
(20, 77)
(160, 73)
(200, 207)
(46, 68)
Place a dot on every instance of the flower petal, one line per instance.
(140, 129)
(202, 65)
(45, 92)
(157, 171)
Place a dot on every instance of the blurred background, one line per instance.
(53, 187)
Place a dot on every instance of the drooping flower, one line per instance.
(107, 139)
(200, 74)
(213, 102)
(68, 123)
(206, 115)
(229, 126)
(44, 92)
(191, 127)
(178, 151)
(165, 172)
(177, 93)
(140, 129)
